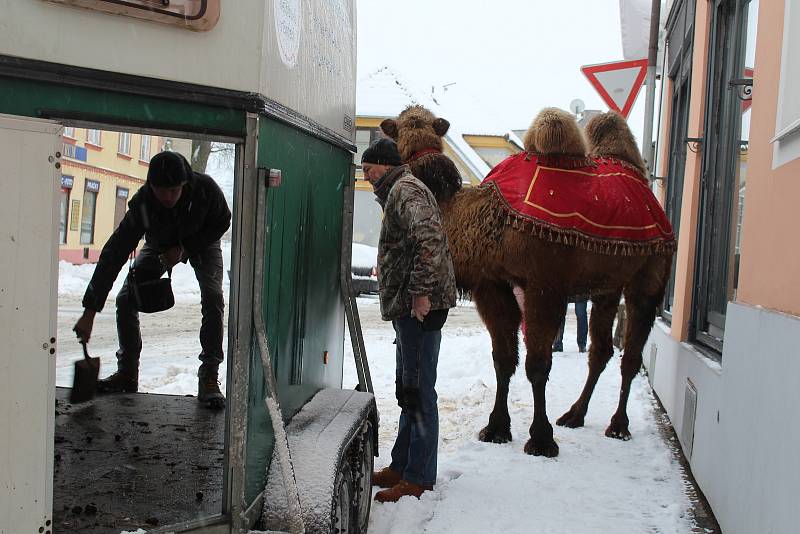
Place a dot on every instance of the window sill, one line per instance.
(124, 156)
(143, 162)
(92, 146)
(69, 140)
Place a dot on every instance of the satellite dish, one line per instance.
(577, 106)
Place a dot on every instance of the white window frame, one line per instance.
(144, 148)
(94, 137)
(69, 131)
(124, 144)
(786, 143)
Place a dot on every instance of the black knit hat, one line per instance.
(382, 152)
(168, 169)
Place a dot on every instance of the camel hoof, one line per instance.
(570, 419)
(618, 433)
(491, 435)
(547, 449)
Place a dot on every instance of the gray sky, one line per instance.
(513, 56)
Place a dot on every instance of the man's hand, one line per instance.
(83, 328)
(420, 306)
(171, 256)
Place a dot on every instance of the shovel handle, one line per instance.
(85, 352)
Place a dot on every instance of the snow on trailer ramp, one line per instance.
(318, 435)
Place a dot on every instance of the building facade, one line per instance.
(724, 358)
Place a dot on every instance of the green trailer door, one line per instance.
(303, 310)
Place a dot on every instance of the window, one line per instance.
(93, 137)
(120, 205)
(364, 138)
(63, 214)
(124, 144)
(787, 127)
(144, 148)
(722, 200)
(69, 132)
(680, 36)
(91, 188)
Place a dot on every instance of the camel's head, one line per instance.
(414, 130)
(554, 131)
(609, 135)
(418, 134)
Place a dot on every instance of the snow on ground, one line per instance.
(596, 485)
(170, 343)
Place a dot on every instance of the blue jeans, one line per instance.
(415, 449)
(583, 326)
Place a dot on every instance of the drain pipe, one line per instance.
(648, 152)
(273, 406)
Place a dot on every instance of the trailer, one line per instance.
(293, 451)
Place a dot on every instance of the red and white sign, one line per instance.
(618, 83)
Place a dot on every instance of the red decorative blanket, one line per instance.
(601, 204)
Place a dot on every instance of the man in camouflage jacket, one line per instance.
(417, 288)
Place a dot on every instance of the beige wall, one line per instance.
(770, 266)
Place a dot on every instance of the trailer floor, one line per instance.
(130, 461)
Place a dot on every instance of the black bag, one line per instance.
(151, 296)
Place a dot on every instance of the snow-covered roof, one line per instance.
(384, 93)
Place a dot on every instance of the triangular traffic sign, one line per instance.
(618, 83)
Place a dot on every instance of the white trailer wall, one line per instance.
(298, 53)
(29, 184)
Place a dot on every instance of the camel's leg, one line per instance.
(498, 309)
(543, 313)
(640, 312)
(604, 308)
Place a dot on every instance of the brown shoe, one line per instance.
(208, 392)
(385, 478)
(119, 382)
(401, 489)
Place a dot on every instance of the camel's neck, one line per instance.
(419, 153)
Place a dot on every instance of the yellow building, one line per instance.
(100, 171)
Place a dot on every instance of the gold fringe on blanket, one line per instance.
(598, 245)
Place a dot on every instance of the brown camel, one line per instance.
(494, 249)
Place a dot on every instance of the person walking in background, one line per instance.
(417, 287)
(583, 327)
(182, 215)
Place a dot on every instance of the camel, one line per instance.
(494, 249)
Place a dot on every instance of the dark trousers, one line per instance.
(583, 326)
(415, 449)
(208, 270)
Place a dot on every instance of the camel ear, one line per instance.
(389, 128)
(440, 126)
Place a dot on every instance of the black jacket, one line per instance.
(198, 220)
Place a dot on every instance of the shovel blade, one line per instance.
(84, 385)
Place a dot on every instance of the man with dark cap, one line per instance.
(417, 288)
(182, 215)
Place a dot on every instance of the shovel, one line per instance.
(84, 384)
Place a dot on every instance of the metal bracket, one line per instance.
(744, 87)
(695, 144)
